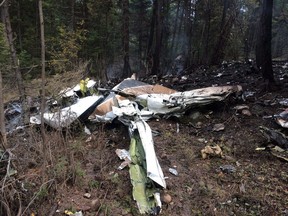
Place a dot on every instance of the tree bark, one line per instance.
(175, 27)
(125, 9)
(43, 101)
(263, 47)
(72, 24)
(2, 117)
(15, 61)
(226, 26)
(149, 58)
(158, 39)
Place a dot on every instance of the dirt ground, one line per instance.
(257, 185)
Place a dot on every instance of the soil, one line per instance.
(82, 175)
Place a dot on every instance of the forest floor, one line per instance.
(257, 186)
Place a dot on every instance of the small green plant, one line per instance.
(60, 168)
(79, 172)
(42, 193)
(115, 178)
(93, 184)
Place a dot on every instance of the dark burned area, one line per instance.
(257, 187)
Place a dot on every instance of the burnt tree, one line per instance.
(263, 46)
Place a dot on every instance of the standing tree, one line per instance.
(125, 38)
(15, 61)
(2, 117)
(157, 9)
(4, 58)
(263, 46)
(226, 25)
(43, 102)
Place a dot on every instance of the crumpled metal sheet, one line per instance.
(144, 168)
(64, 117)
(282, 118)
(154, 170)
(181, 101)
(160, 100)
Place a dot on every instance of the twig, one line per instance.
(7, 171)
(20, 205)
(35, 196)
(6, 207)
(2, 3)
(53, 209)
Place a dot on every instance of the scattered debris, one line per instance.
(284, 102)
(123, 155)
(79, 213)
(279, 141)
(243, 109)
(218, 127)
(65, 116)
(282, 118)
(173, 171)
(133, 102)
(143, 189)
(87, 195)
(227, 169)
(275, 137)
(211, 151)
(157, 100)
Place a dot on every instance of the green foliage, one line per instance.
(64, 49)
(99, 38)
(104, 37)
(93, 184)
(79, 172)
(43, 193)
(60, 169)
(4, 51)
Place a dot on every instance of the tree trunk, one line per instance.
(158, 39)
(2, 117)
(140, 34)
(226, 26)
(207, 43)
(43, 102)
(125, 9)
(149, 58)
(72, 24)
(263, 47)
(175, 28)
(188, 32)
(15, 61)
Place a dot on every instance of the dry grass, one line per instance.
(54, 84)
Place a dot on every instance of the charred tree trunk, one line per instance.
(125, 9)
(158, 38)
(263, 46)
(9, 34)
